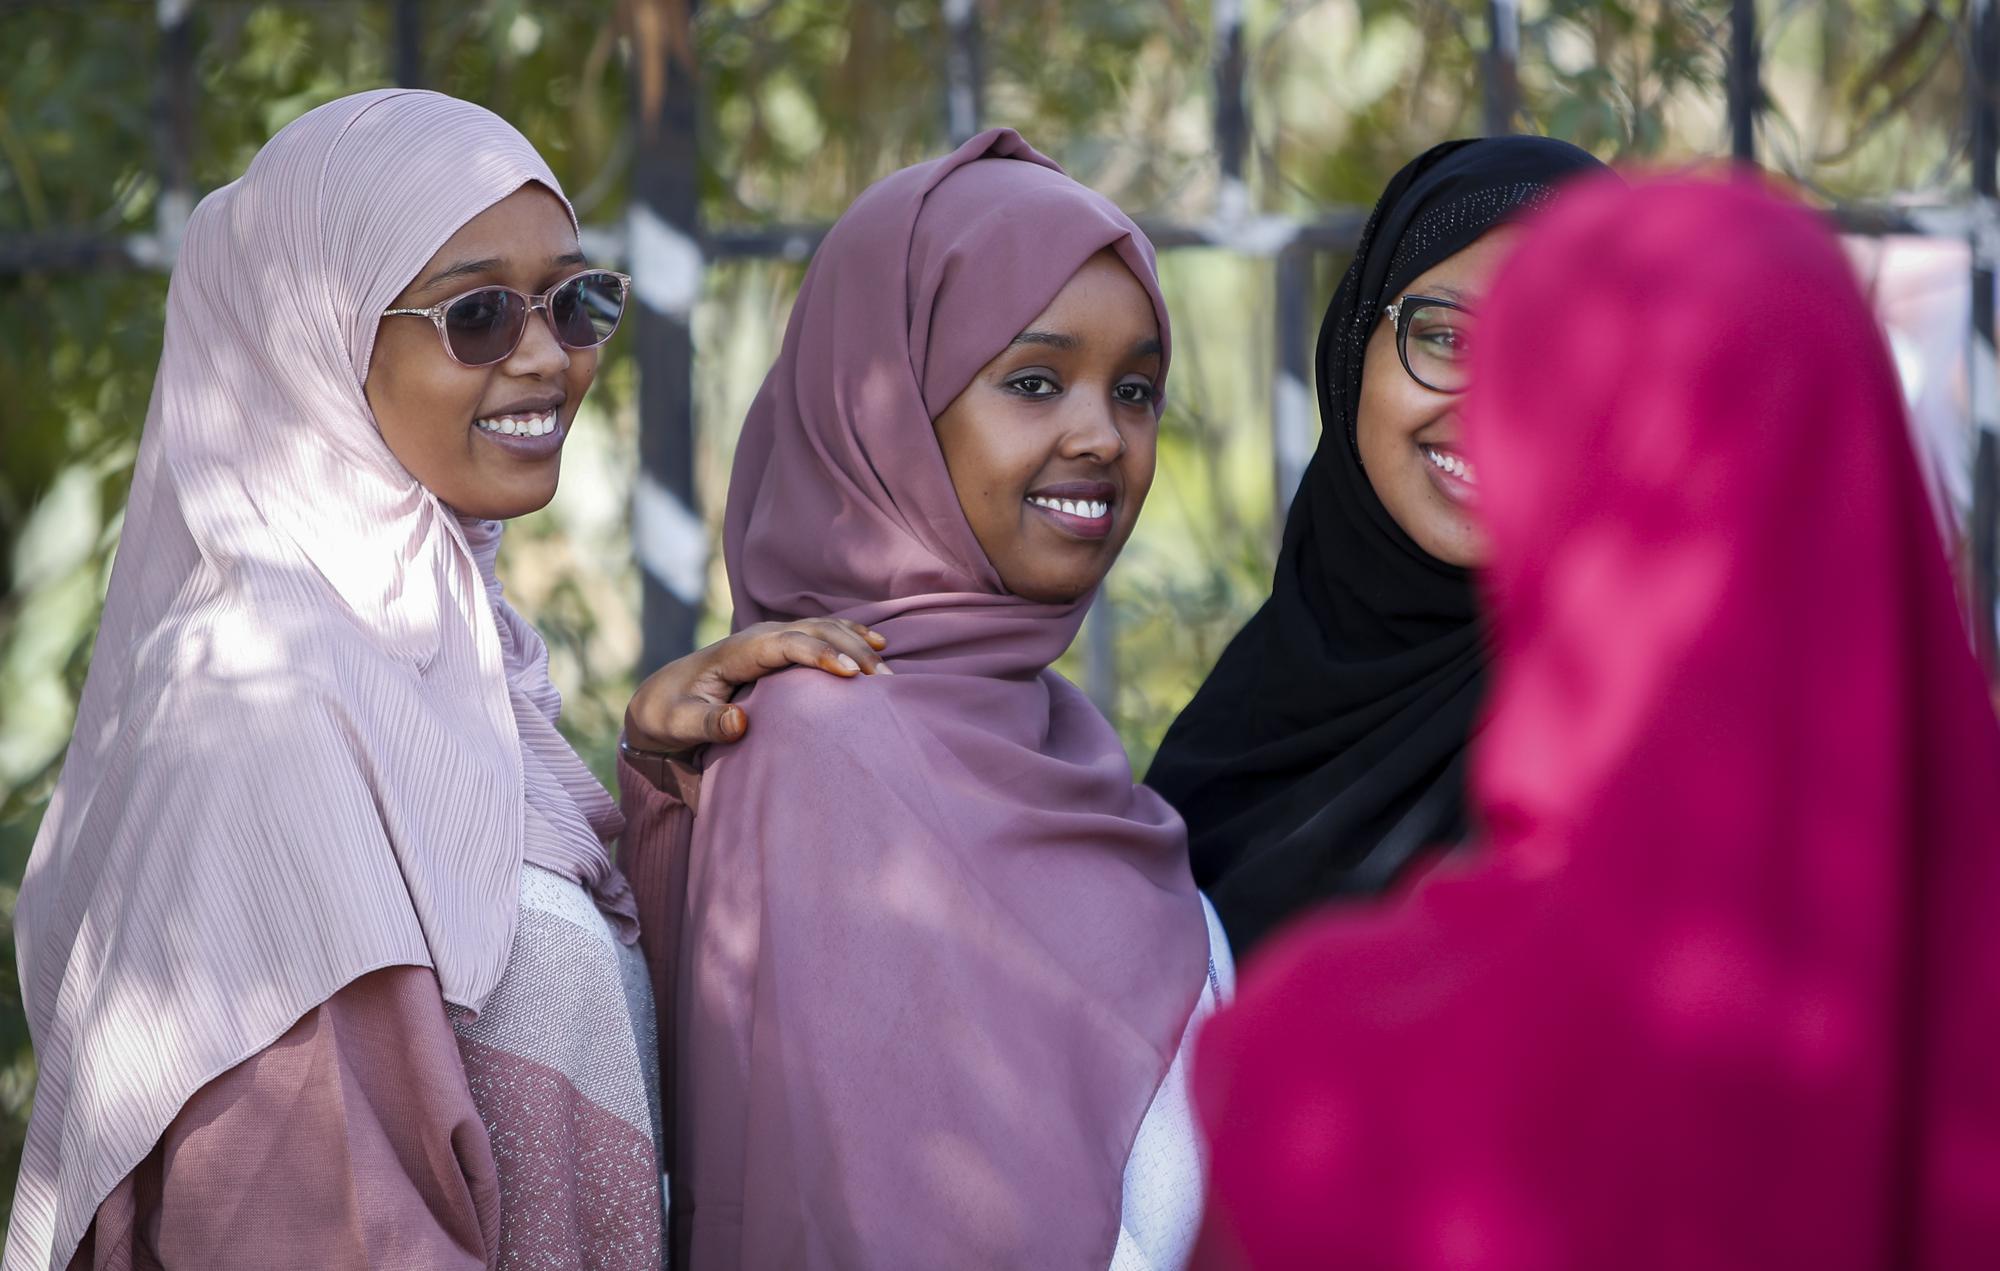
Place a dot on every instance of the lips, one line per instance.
(529, 434)
(1078, 509)
(535, 423)
(1450, 473)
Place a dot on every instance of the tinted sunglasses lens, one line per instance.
(484, 327)
(586, 309)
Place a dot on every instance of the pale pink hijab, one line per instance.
(314, 738)
(1721, 986)
(940, 949)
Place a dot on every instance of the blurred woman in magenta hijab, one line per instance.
(1718, 991)
(940, 952)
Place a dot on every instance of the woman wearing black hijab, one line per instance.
(1328, 745)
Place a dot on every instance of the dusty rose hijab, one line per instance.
(314, 738)
(1720, 989)
(940, 949)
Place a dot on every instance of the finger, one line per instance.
(875, 639)
(852, 639)
(805, 648)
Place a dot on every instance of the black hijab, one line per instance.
(1328, 745)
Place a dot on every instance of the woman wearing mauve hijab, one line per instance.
(1327, 745)
(1716, 989)
(940, 953)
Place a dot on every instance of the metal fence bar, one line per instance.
(663, 248)
(173, 136)
(964, 74)
(1503, 55)
(1292, 400)
(1745, 88)
(1984, 529)
(1232, 115)
(409, 22)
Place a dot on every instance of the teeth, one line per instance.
(537, 425)
(1091, 509)
(1452, 464)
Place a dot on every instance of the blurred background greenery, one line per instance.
(802, 103)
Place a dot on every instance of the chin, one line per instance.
(1054, 593)
(494, 505)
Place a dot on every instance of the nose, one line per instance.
(1090, 430)
(539, 354)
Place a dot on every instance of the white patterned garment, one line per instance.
(1165, 1174)
(565, 1073)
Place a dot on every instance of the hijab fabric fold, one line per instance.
(297, 756)
(941, 949)
(1326, 746)
(1716, 989)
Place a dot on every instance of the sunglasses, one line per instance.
(485, 326)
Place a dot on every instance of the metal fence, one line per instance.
(667, 249)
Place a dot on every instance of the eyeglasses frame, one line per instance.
(437, 311)
(1408, 302)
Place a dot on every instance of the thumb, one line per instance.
(693, 721)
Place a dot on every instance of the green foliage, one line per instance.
(804, 102)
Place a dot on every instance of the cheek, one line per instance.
(581, 375)
(997, 459)
(1142, 455)
(422, 400)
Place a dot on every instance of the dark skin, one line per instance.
(427, 406)
(428, 409)
(1066, 415)
(1067, 409)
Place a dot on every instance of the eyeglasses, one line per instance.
(485, 326)
(1434, 341)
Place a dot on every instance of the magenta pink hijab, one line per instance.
(940, 949)
(315, 740)
(1719, 989)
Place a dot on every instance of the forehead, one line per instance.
(531, 222)
(1464, 274)
(1102, 292)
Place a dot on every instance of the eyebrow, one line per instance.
(1148, 347)
(1445, 291)
(1053, 339)
(470, 268)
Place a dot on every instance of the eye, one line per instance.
(1033, 386)
(1135, 393)
(480, 309)
(1443, 339)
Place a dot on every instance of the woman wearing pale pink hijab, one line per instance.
(324, 956)
(939, 954)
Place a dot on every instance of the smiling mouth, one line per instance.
(1088, 509)
(530, 424)
(1086, 519)
(1452, 465)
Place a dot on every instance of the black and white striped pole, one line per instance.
(1984, 529)
(663, 246)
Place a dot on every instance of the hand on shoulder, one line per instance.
(687, 703)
